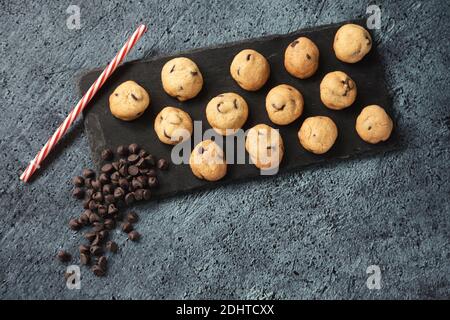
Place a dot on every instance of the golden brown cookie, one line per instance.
(207, 161)
(301, 58)
(173, 125)
(227, 113)
(337, 90)
(284, 104)
(128, 101)
(250, 69)
(318, 134)
(265, 146)
(351, 43)
(181, 78)
(374, 124)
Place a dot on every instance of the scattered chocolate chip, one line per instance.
(107, 155)
(97, 185)
(84, 249)
(153, 182)
(138, 194)
(133, 171)
(112, 210)
(102, 262)
(98, 196)
(115, 176)
(94, 218)
(99, 272)
(78, 193)
(84, 217)
(132, 217)
(123, 183)
(102, 235)
(98, 226)
(92, 205)
(107, 168)
(134, 235)
(162, 164)
(143, 153)
(119, 193)
(64, 256)
(127, 227)
(78, 181)
(86, 203)
(109, 224)
(122, 151)
(96, 250)
(90, 236)
(134, 148)
(109, 199)
(112, 246)
(85, 259)
(129, 198)
(74, 224)
(88, 173)
(146, 195)
(151, 173)
(107, 189)
(103, 178)
(133, 158)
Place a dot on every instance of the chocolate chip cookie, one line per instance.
(301, 58)
(207, 161)
(128, 101)
(265, 146)
(227, 113)
(250, 69)
(351, 43)
(173, 125)
(284, 104)
(374, 124)
(317, 134)
(181, 78)
(337, 90)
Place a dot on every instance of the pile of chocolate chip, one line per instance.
(126, 177)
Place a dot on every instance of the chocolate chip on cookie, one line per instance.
(181, 78)
(284, 104)
(207, 161)
(173, 125)
(129, 101)
(351, 43)
(337, 90)
(265, 146)
(374, 124)
(317, 134)
(250, 69)
(301, 58)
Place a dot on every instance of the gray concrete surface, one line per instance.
(306, 235)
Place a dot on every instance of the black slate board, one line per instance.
(104, 130)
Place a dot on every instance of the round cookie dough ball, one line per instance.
(301, 58)
(374, 124)
(284, 104)
(318, 134)
(227, 113)
(173, 125)
(265, 146)
(351, 43)
(128, 101)
(207, 161)
(181, 78)
(250, 69)
(337, 90)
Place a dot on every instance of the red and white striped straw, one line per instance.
(62, 129)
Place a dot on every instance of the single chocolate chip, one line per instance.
(249, 56)
(78, 181)
(90, 236)
(102, 210)
(129, 198)
(97, 241)
(98, 226)
(308, 57)
(96, 185)
(133, 171)
(115, 176)
(142, 180)
(84, 248)
(102, 262)
(119, 193)
(294, 43)
(369, 128)
(74, 224)
(134, 96)
(96, 250)
(133, 158)
(88, 193)
(112, 246)
(123, 170)
(112, 210)
(98, 196)
(132, 217)
(139, 194)
(94, 218)
(84, 217)
(163, 164)
(134, 235)
(127, 227)
(235, 104)
(103, 178)
(141, 164)
(107, 168)
(201, 150)
(109, 224)
(85, 259)
(146, 194)
(107, 189)
(143, 153)
(172, 69)
(92, 205)
(103, 235)
(151, 173)
(123, 183)
(144, 171)
(88, 182)
(194, 73)
(122, 151)
(153, 182)
(64, 256)
(86, 203)
(107, 155)
(78, 193)
(99, 272)
(134, 148)
(88, 173)
(109, 199)
(137, 184)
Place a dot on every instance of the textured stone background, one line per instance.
(310, 234)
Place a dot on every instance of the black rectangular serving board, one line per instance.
(105, 131)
